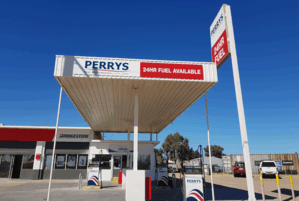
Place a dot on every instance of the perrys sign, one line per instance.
(219, 36)
(129, 68)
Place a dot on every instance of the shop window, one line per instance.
(117, 162)
(28, 161)
(4, 165)
(144, 162)
(71, 161)
(48, 162)
(105, 161)
(60, 161)
(82, 161)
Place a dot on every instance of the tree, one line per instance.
(167, 147)
(215, 151)
(176, 147)
(194, 154)
(160, 155)
(184, 151)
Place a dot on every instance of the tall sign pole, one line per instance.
(223, 46)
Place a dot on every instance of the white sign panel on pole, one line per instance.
(219, 36)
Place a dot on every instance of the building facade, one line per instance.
(26, 153)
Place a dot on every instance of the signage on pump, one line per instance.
(124, 68)
(218, 34)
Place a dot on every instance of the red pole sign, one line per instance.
(220, 50)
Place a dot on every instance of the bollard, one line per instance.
(262, 185)
(278, 187)
(80, 181)
(173, 181)
(120, 177)
(148, 188)
(292, 186)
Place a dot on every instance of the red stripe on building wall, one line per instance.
(23, 134)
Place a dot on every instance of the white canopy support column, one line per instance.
(209, 143)
(135, 165)
(54, 145)
(128, 149)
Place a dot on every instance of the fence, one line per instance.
(256, 158)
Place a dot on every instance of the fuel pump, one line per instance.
(93, 173)
(162, 175)
(194, 186)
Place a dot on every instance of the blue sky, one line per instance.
(266, 34)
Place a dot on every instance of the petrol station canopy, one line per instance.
(103, 90)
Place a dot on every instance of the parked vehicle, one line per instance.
(172, 168)
(239, 169)
(207, 169)
(268, 168)
(216, 168)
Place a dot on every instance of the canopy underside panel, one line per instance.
(107, 104)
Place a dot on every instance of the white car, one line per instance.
(268, 168)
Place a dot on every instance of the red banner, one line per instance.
(175, 71)
(220, 49)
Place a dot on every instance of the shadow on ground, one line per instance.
(285, 191)
(228, 193)
(221, 193)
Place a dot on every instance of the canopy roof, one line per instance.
(103, 90)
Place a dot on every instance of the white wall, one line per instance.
(143, 149)
(149, 150)
(40, 146)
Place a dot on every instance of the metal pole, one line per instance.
(278, 187)
(80, 181)
(135, 165)
(101, 168)
(210, 157)
(250, 186)
(128, 162)
(262, 185)
(292, 187)
(54, 145)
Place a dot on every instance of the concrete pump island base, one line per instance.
(131, 95)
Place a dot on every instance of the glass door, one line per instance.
(124, 161)
(117, 165)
